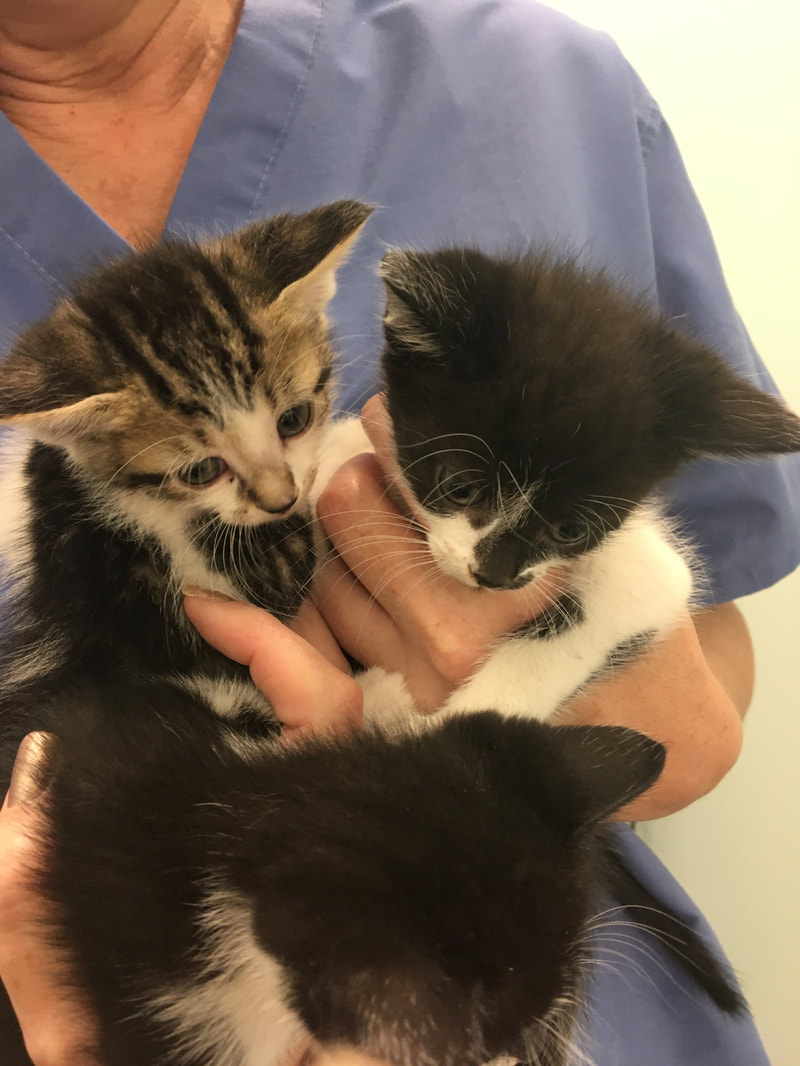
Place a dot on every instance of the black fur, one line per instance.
(455, 871)
(108, 592)
(557, 383)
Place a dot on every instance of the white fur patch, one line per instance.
(227, 697)
(638, 580)
(343, 440)
(387, 701)
(15, 447)
(165, 520)
(452, 541)
(237, 1013)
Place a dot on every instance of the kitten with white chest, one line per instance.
(537, 408)
(168, 418)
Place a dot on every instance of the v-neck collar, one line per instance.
(249, 117)
(226, 176)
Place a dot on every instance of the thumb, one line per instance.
(56, 1027)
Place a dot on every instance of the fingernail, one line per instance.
(206, 594)
(31, 772)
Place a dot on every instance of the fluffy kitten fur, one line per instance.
(173, 409)
(537, 408)
(426, 895)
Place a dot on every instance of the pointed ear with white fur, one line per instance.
(311, 294)
(410, 314)
(50, 388)
(92, 416)
(296, 256)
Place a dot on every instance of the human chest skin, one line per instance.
(125, 169)
(118, 128)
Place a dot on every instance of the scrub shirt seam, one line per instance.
(654, 122)
(34, 263)
(293, 106)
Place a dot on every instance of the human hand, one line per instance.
(384, 597)
(57, 1027)
(303, 674)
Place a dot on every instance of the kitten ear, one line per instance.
(301, 253)
(409, 318)
(335, 227)
(612, 766)
(72, 422)
(708, 410)
(43, 392)
(582, 773)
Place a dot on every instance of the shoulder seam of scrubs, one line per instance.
(654, 123)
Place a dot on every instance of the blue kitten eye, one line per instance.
(294, 421)
(461, 489)
(204, 472)
(569, 532)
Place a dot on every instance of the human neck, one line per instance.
(112, 95)
(140, 50)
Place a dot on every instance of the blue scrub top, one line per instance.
(469, 121)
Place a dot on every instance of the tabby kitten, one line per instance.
(172, 410)
(537, 409)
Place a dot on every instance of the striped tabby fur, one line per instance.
(145, 377)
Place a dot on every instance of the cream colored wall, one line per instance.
(727, 75)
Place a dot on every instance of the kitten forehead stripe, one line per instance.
(230, 304)
(183, 359)
(106, 329)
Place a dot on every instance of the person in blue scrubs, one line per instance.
(493, 123)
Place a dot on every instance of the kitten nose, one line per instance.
(486, 582)
(281, 508)
(498, 580)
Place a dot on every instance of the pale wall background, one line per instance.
(727, 76)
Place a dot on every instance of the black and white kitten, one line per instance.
(432, 899)
(537, 408)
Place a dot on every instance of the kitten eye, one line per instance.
(204, 472)
(294, 421)
(569, 532)
(461, 489)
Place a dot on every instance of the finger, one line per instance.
(309, 624)
(344, 1057)
(359, 622)
(58, 1028)
(305, 690)
(377, 425)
